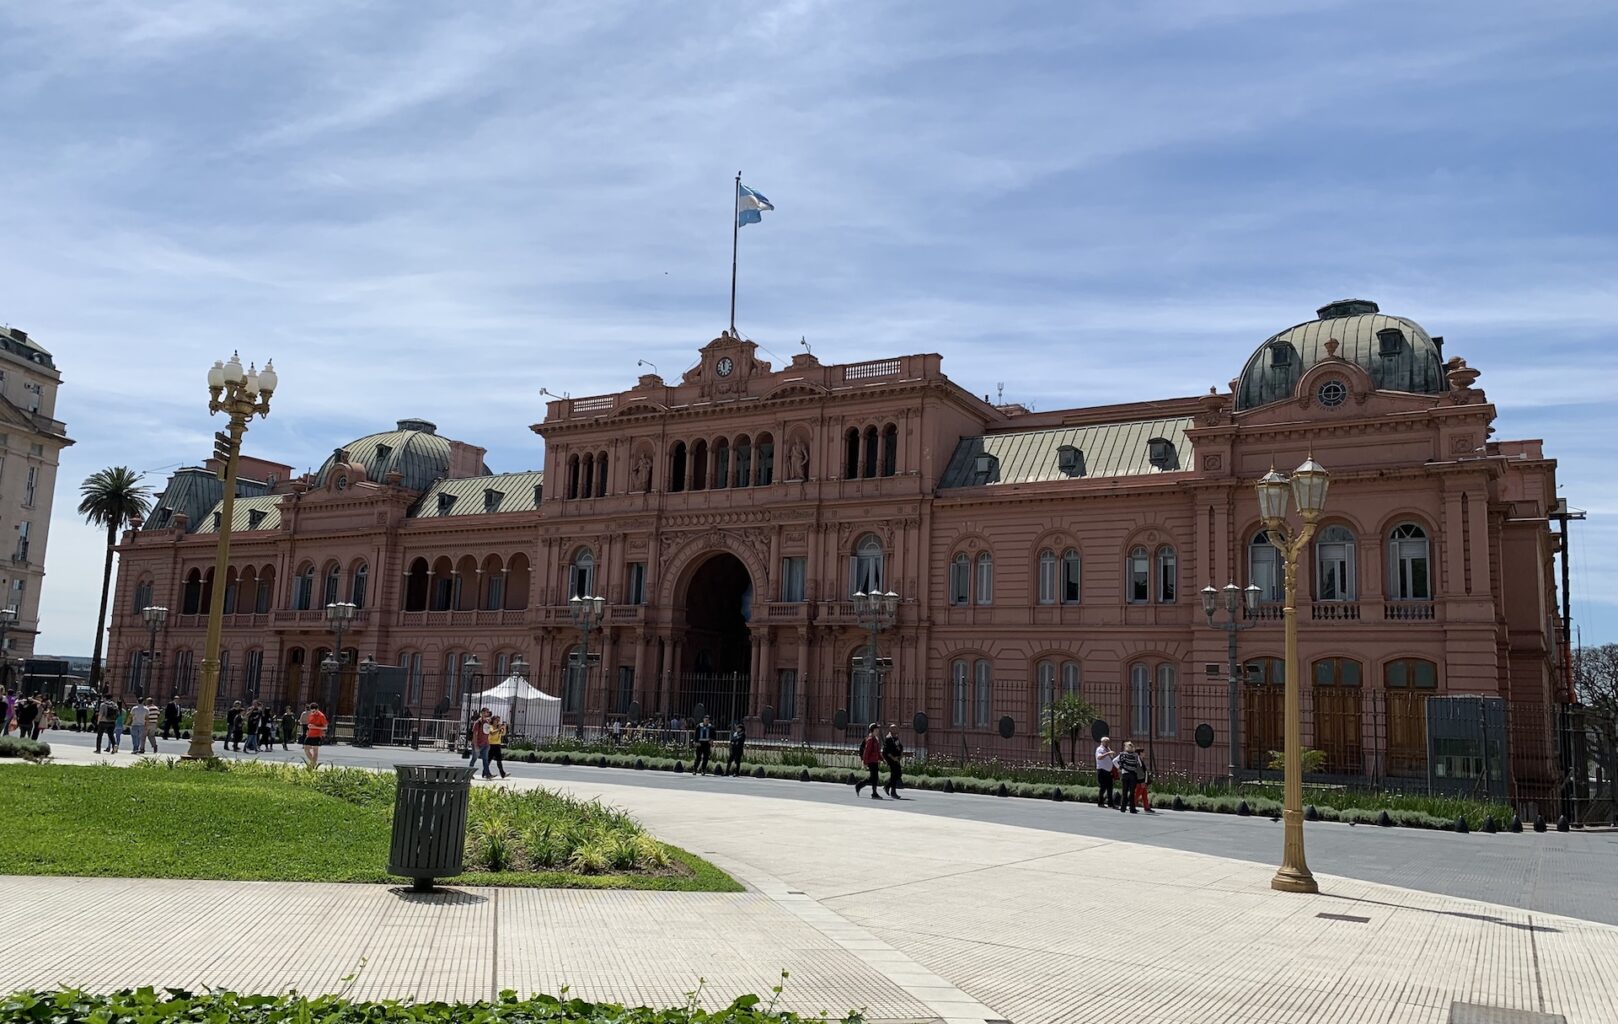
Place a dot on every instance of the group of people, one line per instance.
(257, 727)
(26, 717)
(1126, 771)
(486, 739)
(876, 752)
(704, 734)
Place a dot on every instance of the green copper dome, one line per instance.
(1397, 353)
(414, 448)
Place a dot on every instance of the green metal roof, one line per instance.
(1034, 456)
(415, 449)
(479, 495)
(1416, 366)
(197, 492)
(242, 515)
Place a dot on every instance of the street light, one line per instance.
(339, 616)
(155, 617)
(8, 619)
(241, 395)
(471, 670)
(587, 612)
(876, 612)
(1307, 486)
(1233, 624)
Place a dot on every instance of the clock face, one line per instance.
(725, 366)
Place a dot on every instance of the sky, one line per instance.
(437, 209)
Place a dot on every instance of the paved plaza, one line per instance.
(930, 908)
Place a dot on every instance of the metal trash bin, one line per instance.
(429, 823)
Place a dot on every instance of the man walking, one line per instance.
(255, 719)
(314, 733)
(738, 743)
(233, 726)
(106, 722)
(704, 746)
(137, 726)
(27, 713)
(870, 757)
(154, 716)
(1133, 771)
(893, 753)
(171, 717)
(1106, 761)
(289, 722)
(81, 713)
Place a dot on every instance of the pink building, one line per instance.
(727, 518)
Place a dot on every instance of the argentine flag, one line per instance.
(750, 206)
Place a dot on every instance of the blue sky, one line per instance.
(435, 209)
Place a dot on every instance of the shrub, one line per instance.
(28, 750)
(1313, 761)
(800, 758)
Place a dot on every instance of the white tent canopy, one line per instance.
(528, 712)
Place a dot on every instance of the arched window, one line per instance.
(334, 586)
(184, 671)
(1168, 575)
(744, 461)
(1070, 678)
(982, 695)
(985, 594)
(699, 465)
(865, 567)
(1168, 702)
(871, 442)
(890, 450)
(1140, 700)
(721, 463)
(957, 693)
(303, 589)
(191, 595)
(1264, 568)
(1139, 578)
(581, 577)
(1045, 672)
(1334, 565)
(230, 590)
(572, 476)
(764, 473)
(266, 590)
(1070, 576)
(960, 579)
(851, 454)
(356, 590)
(1047, 577)
(143, 594)
(1409, 576)
(587, 475)
(416, 586)
(677, 467)
(601, 474)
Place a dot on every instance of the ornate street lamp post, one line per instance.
(155, 617)
(876, 612)
(339, 616)
(471, 674)
(587, 612)
(1232, 625)
(241, 395)
(1307, 487)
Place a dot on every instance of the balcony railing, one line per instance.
(1409, 611)
(462, 617)
(838, 613)
(1335, 611)
(1266, 613)
(786, 611)
(626, 613)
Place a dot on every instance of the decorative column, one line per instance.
(643, 693)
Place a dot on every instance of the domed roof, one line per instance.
(414, 448)
(1396, 352)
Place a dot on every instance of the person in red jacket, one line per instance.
(871, 757)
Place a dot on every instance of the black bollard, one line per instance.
(1489, 826)
(1384, 820)
(1539, 823)
(1243, 810)
(1460, 824)
(1310, 813)
(1561, 823)
(1516, 823)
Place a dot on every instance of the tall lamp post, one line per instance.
(155, 617)
(1307, 486)
(587, 612)
(8, 619)
(1232, 625)
(339, 616)
(471, 675)
(876, 612)
(241, 395)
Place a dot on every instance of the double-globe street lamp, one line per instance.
(876, 612)
(1232, 625)
(1307, 486)
(155, 616)
(241, 395)
(587, 612)
(339, 616)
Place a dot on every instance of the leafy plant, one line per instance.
(1313, 760)
(28, 750)
(1065, 718)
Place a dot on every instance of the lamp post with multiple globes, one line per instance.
(1232, 625)
(155, 616)
(876, 612)
(1307, 486)
(241, 395)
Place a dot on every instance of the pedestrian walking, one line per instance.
(314, 734)
(120, 721)
(255, 716)
(9, 718)
(26, 712)
(1133, 770)
(106, 718)
(738, 745)
(497, 741)
(871, 758)
(266, 729)
(480, 741)
(617, 732)
(233, 726)
(704, 746)
(893, 753)
(137, 726)
(154, 718)
(81, 714)
(289, 724)
(171, 717)
(1106, 770)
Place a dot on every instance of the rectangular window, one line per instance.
(1139, 578)
(981, 702)
(36, 449)
(959, 581)
(1167, 575)
(792, 574)
(957, 701)
(1047, 578)
(497, 592)
(626, 690)
(303, 592)
(637, 583)
(22, 542)
(255, 672)
(1168, 702)
(261, 602)
(985, 580)
(28, 488)
(1140, 701)
(786, 695)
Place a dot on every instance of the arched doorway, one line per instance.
(717, 653)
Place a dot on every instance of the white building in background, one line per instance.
(31, 443)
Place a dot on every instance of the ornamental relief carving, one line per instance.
(1463, 444)
(1213, 462)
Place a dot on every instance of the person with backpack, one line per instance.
(893, 753)
(106, 720)
(1133, 770)
(870, 757)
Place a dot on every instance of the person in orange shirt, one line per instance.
(316, 733)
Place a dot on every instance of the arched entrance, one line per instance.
(716, 656)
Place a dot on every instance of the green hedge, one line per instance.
(28, 750)
(174, 1006)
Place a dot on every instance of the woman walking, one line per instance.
(497, 739)
(119, 721)
(871, 757)
(1133, 770)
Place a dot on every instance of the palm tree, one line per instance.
(1066, 716)
(111, 498)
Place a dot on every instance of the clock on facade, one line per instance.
(724, 366)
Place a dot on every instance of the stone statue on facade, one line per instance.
(640, 474)
(797, 461)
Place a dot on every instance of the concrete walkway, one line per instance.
(906, 916)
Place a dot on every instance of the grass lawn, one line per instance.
(259, 823)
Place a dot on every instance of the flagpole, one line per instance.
(735, 233)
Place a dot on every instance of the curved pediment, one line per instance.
(640, 408)
(796, 389)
